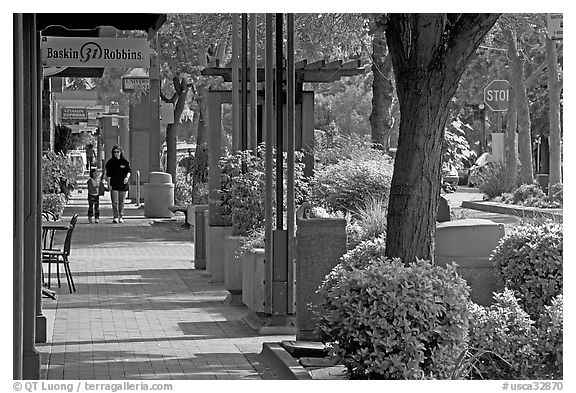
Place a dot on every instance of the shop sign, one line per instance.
(129, 84)
(74, 114)
(94, 52)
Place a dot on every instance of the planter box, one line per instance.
(233, 264)
(253, 278)
(470, 243)
(215, 239)
(321, 243)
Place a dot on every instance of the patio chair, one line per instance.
(61, 257)
(48, 235)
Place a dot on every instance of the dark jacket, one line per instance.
(116, 170)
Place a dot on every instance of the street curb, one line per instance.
(503, 208)
(281, 363)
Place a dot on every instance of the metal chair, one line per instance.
(61, 257)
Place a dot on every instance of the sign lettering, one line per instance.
(94, 52)
(555, 26)
(130, 84)
(74, 114)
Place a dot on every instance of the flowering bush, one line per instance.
(392, 321)
(58, 173)
(54, 203)
(529, 259)
(348, 184)
(242, 192)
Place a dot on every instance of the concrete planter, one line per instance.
(253, 278)
(233, 264)
(470, 243)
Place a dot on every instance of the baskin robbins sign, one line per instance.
(94, 52)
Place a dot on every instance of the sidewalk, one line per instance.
(141, 310)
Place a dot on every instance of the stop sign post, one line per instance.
(497, 95)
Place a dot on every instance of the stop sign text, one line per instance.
(497, 95)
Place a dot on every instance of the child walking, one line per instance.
(93, 196)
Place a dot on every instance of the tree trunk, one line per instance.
(430, 53)
(200, 173)
(554, 113)
(511, 142)
(523, 111)
(382, 94)
(181, 88)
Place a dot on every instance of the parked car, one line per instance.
(450, 175)
(479, 167)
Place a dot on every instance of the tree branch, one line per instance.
(466, 36)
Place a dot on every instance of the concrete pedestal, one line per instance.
(470, 243)
(321, 243)
(216, 236)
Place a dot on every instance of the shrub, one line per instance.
(527, 192)
(529, 259)
(515, 346)
(330, 149)
(507, 331)
(533, 195)
(348, 184)
(372, 219)
(494, 180)
(555, 192)
(255, 239)
(182, 188)
(54, 203)
(549, 361)
(393, 321)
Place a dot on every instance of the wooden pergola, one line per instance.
(284, 86)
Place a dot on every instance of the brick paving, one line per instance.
(141, 310)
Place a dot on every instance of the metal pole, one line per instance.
(253, 83)
(236, 136)
(290, 94)
(279, 125)
(244, 82)
(268, 121)
(138, 188)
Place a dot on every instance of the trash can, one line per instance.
(158, 195)
(199, 237)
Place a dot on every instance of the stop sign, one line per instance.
(496, 95)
